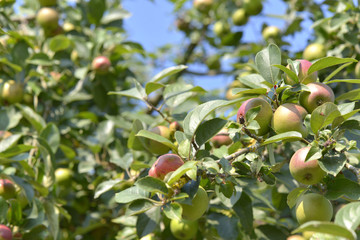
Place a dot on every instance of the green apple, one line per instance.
(157, 147)
(213, 62)
(48, 18)
(68, 27)
(253, 7)
(183, 230)
(314, 51)
(263, 117)
(63, 175)
(221, 139)
(7, 189)
(289, 117)
(239, 17)
(5, 232)
(271, 32)
(203, 5)
(199, 205)
(165, 164)
(303, 75)
(101, 64)
(221, 28)
(313, 207)
(12, 92)
(319, 94)
(47, 3)
(357, 70)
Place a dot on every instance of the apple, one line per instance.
(357, 70)
(289, 117)
(319, 94)
(199, 205)
(296, 237)
(213, 62)
(63, 175)
(203, 5)
(239, 17)
(175, 126)
(221, 28)
(263, 117)
(182, 24)
(308, 172)
(304, 78)
(271, 32)
(235, 84)
(157, 147)
(165, 164)
(48, 18)
(314, 51)
(101, 64)
(12, 92)
(183, 229)
(5, 232)
(7, 189)
(68, 27)
(253, 7)
(222, 138)
(47, 3)
(313, 207)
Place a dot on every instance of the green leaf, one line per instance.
(176, 175)
(349, 216)
(114, 15)
(173, 211)
(9, 118)
(105, 186)
(139, 206)
(131, 194)
(294, 195)
(157, 138)
(9, 142)
(326, 227)
(343, 187)
(16, 150)
(59, 43)
(35, 119)
(95, 10)
(135, 142)
(265, 61)
(147, 222)
(243, 209)
(52, 215)
(254, 81)
(259, 91)
(153, 86)
(332, 162)
(356, 81)
(209, 129)
(287, 136)
(288, 72)
(168, 72)
(328, 62)
(52, 135)
(15, 67)
(353, 95)
(323, 115)
(42, 59)
(152, 185)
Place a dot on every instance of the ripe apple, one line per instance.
(199, 205)
(7, 189)
(5, 232)
(222, 138)
(253, 7)
(314, 51)
(157, 147)
(271, 32)
(289, 117)
(165, 164)
(48, 18)
(264, 116)
(304, 78)
(101, 64)
(296, 237)
(313, 207)
(203, 5)
(12, 92)
(221, 28)
(47, 3)
(63, 176)
(319, 94)
(175, 126)
(308, 172)
(184, 229)
(239, 17)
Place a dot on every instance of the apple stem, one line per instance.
(354, 170)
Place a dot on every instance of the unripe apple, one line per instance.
(271, 32)
(101, 64)
(157, 147)
(263, 117)
(47, 3)
(319, 94)
(289, 117)
(68, 27)
(63, 175)
(7, 189)
(12, 92)
(213, 62)
(304, 78)
(199, 205)
(221, 28)
(357, 70)
(184, 229)
(222, 138)
(313, 207)
(47, 18)
(314, 51)
(296, 237)
(203, 5)
(308, 172)
(165, 164)
(253, 7)
(239, 17)
(5, 233)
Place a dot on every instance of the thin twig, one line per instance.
(354, 170)
(153, 108)
(233, 156)
(247, 131)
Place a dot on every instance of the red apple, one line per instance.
(263, 118)
(7, 189)
(308, 172)
(165, 164)
(304, 78)
(222, 138)
(289, 117)
(5, 233)
(101, 64)
(319, 94)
